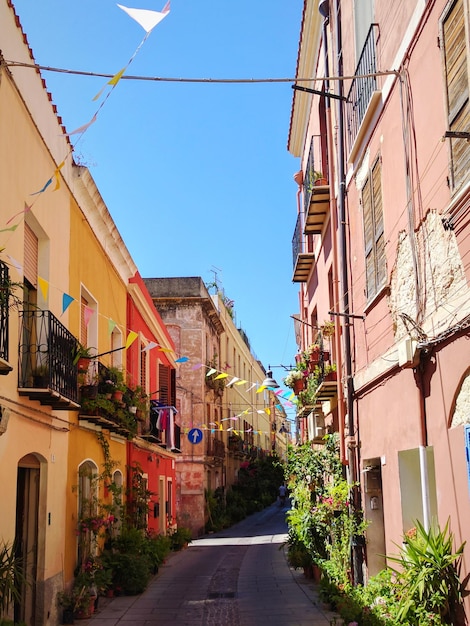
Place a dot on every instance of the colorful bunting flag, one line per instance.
(146, 18)
(66, 302)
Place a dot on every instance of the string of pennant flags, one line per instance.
(287, 395)
(147, 19)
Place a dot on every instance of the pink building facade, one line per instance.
(381, 249)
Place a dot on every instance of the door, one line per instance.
(26, 535)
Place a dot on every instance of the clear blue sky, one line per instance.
(196, 176)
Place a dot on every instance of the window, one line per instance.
(467, 451)
(454, 34)
(363, 18)
(374, 243)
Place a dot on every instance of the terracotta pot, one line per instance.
(117, 395)
(298, 386)
(83, 364)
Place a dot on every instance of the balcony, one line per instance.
(316, 196)
(364, 95)
(215, 449)
(5, 292)
(46, 371)
(328, 388)
(303, 259)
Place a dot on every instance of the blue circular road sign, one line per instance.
(195, 435)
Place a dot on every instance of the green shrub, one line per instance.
(180, 538)
(156, 548)
(131, 573)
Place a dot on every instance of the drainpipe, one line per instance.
(353, 461)
(324, 10)
(423, 457)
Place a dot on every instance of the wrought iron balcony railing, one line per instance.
(46, 371)
(302, 258)
(4, 317)
(215, 448)
(363, 87)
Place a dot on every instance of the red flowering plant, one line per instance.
(95, 523)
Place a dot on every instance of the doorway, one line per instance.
(26, 535)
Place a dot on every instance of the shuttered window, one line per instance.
(454, 33)
(83, 324)
(30, 256)
(467, 451)
(143, 369)
(374, 242)
(164, 384)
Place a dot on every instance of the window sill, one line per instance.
(383, 291)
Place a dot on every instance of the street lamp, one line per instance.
(269, 380)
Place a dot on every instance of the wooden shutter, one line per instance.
(83, 325)
(143, 370)
(374, 242)
(164, 384)
(457, 86)
(379, 241)
(455, 55)
(368, 236)
(30, 256)
(467, 451)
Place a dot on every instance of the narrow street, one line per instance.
(238, 577)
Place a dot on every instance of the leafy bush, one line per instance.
(131, 573)
(156, 548)
(180, 538)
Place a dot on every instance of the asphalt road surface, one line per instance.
(238, 577)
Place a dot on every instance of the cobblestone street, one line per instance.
(238, 577)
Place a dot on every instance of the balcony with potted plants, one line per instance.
(320, 379)
(107, 401)
(316, 192)
(46, 369)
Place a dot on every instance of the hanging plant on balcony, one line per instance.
(295, 379)
(328, 329)
(82, 357)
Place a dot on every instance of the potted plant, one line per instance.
(295, 380)
(40, 376)
(116, 380)
(328, 328)
(65, 599)
(82, 357)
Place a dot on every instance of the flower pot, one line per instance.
(67, 616)
(89, 391)
(117, 395)
(298, 386)
(331, 376)
(83, 364)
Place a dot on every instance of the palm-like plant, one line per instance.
(11, 577)
(429, 576)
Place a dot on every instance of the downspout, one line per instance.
(324, 10)
(353, 448)
(423, 457)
